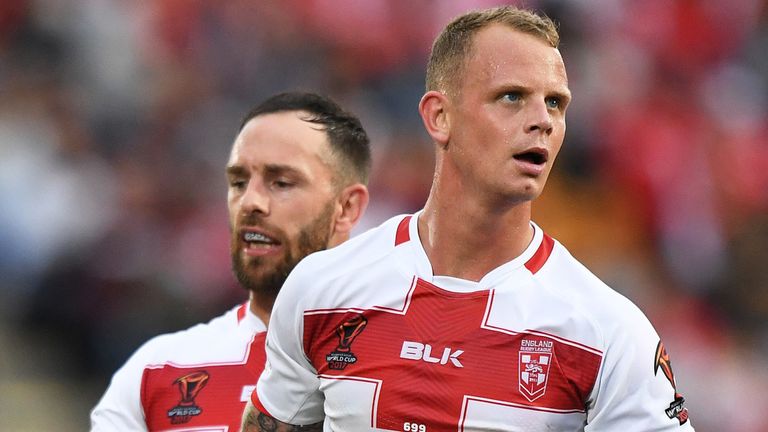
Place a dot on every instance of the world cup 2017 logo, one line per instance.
(189, 386)
(347, 331)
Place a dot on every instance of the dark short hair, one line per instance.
(453, 45)
(346, 136)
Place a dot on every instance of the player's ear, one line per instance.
(350, 207)
(434, 114)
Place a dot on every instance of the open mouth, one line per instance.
(256, 239)
(533, 156)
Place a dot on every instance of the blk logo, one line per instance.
(419, 351)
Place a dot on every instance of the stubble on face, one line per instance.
(266, 284)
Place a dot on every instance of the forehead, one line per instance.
(281, 138)
(501, 56)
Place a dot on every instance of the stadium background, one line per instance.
(116, 118)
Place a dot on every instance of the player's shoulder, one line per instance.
(360, 251)
(175, 346)
(568, 274)
(572, 280)
(321, 275)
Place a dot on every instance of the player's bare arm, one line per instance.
(255, 421)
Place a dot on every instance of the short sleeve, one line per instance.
(636, 390)
(120, 407)
(288, 389)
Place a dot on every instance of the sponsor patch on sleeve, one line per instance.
(677, 407)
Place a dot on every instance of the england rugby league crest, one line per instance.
(534, 359)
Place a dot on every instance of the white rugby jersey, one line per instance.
(198, 379)
(365, 337)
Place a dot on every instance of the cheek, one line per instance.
(233, 208)
(294, 215)
(558, 141)
(557, 144)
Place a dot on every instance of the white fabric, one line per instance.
(562, 299)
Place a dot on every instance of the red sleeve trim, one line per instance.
(143, 394)
(403, 234)
(241, 311)
(257, 403)
(541, 255)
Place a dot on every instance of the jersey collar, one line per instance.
(529, 261)
(248, 320)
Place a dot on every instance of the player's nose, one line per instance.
(255, 199)
(538, 117)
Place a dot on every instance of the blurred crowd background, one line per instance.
(116, 119)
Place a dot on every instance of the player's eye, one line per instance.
(553, 102)
(282, 184)
(237, 184)
(512, 96)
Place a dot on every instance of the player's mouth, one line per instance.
(258, 243)
(533, 160)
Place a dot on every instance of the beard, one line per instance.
(312, 237)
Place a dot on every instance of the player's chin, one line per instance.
(534, 186)
(252, 263)
(524, 191)
(256, 271)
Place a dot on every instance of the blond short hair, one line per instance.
(453, 45)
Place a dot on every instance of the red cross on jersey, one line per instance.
(428, 361)
(379, 343)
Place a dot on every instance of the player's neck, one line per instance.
(467, 240)
(262, 309)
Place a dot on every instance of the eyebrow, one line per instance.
(274, 169)
(235, 170)
(269, 169)
(563, 92)
(563, 95)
